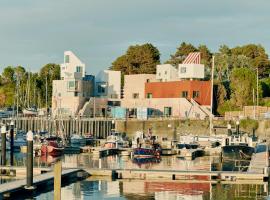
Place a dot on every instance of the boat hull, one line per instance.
(144, 153)
(51, 150)
(237, 152)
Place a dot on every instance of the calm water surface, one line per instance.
(147, 189)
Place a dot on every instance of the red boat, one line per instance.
(52, 146)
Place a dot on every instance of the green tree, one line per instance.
(243, 81)
(8, 75)
(138, 59)
(257, 55)
(181, 53)
(47, 73)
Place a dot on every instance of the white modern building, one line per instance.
(166, 72)
(191, 68)
(74, 89)
(108, 84)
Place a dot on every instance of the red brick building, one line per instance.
(200, 91)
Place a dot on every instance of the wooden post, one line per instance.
(57, 180)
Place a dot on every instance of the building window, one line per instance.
(101, 89)
(184, 94)
(149, 95)
(135, 95)
(183, 70)
(159, 74)
(78, 69)
(75, 94)
(167, 111)
(71, 84)
(165, 72)
(66, 58)
(196, 94)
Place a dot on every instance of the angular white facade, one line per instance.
(108, 84)
(72, 67)
(191, 71)
(166, 72)
(74, 89)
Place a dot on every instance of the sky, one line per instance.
(34, 32)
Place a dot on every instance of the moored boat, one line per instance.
(145, 147)
(237, 147)
(52, 146)
(30, 112)
(77, 140)
(115, 141)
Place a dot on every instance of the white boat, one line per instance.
(30, 112)
(115, 141)
(77, 140)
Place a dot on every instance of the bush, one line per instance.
(249, 124)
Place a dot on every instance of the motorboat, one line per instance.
(115, 140)
(237, 147)
(52, 146)
(145, 147)
(30, 112)
(77, 140)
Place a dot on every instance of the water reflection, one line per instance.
(160, 190)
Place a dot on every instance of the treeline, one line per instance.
(235, 73)
(28, 88)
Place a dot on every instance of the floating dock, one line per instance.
(17, 187)
(177, 174)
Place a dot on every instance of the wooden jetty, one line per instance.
(260, 160)
(20, 172)
(177, 174)
(98, 127)
(9, 189)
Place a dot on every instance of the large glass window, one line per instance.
(101, 89)
(184, 94)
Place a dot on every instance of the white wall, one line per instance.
(166, 72)
(68, 69)
(190, 71)
(135, 83)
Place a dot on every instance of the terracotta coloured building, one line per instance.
(200, 91)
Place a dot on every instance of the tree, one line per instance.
(138, 59)
(47, 74)
(181, 53)
(206, 55)
(257, 56)
(8, 75)
(243, 82)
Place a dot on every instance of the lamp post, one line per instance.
(237, 127)
(229, 128)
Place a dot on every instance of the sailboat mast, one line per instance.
(212, 91)
(47, 97)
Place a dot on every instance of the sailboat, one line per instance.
(29, 111)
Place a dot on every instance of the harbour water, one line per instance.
(197, 188)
